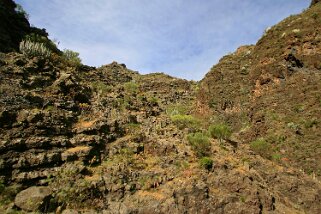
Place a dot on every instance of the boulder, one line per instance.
(33, 199)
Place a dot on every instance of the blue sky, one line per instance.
(183, 38)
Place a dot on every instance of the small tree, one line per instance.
(221, 131)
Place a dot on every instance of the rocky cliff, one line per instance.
(273, 90)
(79, 139)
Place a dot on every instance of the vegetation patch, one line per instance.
(177, 109)
(101, 87)
(261, 147)
(220, 131)
(206, 163)
(200, 143)
(32, 49)
(71, 57)
(131, 87)
(185, 121)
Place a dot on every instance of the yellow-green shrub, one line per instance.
(220, 131)
(200, 143)
(206, 163)
(261, 147)
(72, 57)
(185, 121)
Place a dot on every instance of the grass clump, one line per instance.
(185, 121)
(261, 147)
(200, 143)
(206, 163)
(220, 131)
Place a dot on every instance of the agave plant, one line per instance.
(32, 49)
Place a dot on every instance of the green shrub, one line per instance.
(206, 163)
(101, 87)
(315, 15)
(261, 147)
(185, 121)
(276, 157)
(221, 131)
(200, 143)
(177, 108)
(32, 49)
(153, 100)
(310, 123)
(72, 57)
(131, 87)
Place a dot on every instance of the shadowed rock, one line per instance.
(314, 2)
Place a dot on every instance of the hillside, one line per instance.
(245, 139)
(274, 91)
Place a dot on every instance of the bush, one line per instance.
(261, 147)
(131, 87)
(72, 57)
(220, 131)
(32, 49)
(200, 143)
(185, 121)
(206, 163)
(153, 100)
(177, 108)
(101, 87)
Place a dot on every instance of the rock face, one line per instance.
(273, 90)
(33, 199)
(104, 139)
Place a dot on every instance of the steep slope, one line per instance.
(103, 139)
(272, 91)
(109, 140)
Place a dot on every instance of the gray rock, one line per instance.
(33, 199)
